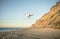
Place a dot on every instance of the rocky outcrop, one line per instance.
(49, 20)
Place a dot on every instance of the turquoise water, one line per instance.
(11, 29)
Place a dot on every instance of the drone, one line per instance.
(28, 15)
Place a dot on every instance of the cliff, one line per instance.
(49, 20)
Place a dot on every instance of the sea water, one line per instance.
(11, 29)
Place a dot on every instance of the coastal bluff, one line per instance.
(50, 19)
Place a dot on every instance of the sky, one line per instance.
(12, 11)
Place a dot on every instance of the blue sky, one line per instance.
(12, 12)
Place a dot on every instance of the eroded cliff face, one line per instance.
(49, 20)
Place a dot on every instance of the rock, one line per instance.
(49, 20)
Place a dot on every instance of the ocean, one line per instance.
(11, 29)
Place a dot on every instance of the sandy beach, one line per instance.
(44, 33)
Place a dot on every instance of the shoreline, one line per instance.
(44, 33)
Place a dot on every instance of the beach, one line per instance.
(44, 33)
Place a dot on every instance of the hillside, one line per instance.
(50, 19)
